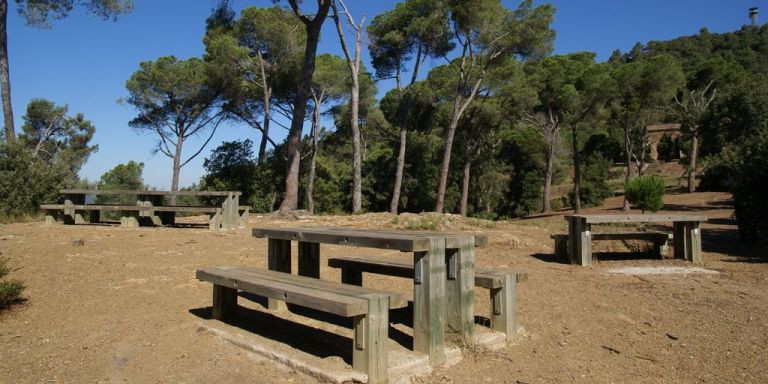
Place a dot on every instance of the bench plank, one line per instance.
(502, 285)
(321, 300)
(484, 277)
(397, 300)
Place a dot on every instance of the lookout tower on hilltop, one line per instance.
(753, 15)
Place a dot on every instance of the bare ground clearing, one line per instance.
(124, 305)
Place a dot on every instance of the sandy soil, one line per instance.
(122, 305)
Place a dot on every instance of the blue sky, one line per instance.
(84, 62)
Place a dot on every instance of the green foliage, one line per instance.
(123, 176)
(231, 167)
(608, 147)
(646, 192)
(175, 99)
(669, 148)
(49, 152)
(53, 136)
(595, 172)
(10, 290)
(742, 163)
(38, 12)
(27, 181)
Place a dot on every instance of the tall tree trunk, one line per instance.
(395, 203)
(465, 186)
(265, 127)
(628, 148)
(357, 161)
(5, 77)
(576, 171)
(449, 134)
(291, 198)
(313, 159)
(354, 68)
(692, 165)
(176, 167)
(549, 171)
(405, 109)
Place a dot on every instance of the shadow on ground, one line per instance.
(314, 341)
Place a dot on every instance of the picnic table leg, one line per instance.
(460, 289)
(504, 307)
(429, 302)
(369, 350)
(693, 241)
(226, 219)
(72, 215)
(679, 237)
(579, 241)
(224, 301)
(279, 255)
(309, 259)
(94, 216)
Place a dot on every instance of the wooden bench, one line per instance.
(134, 215)
(369, 308)
(660, 241)
(502, 285)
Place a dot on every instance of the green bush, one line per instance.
(26, 181)
(669, 148)
(594, 189)
(10, 290)
(646, 192)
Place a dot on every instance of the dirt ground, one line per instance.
(108, 304)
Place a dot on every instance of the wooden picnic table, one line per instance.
(150, 205)
(443, 281)
(686, 234)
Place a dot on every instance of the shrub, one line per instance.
(26, 181)
(646, 192)
(669, 148)
(10, 290)
(594, 189)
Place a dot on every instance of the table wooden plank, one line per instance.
(402, 241)
(146, 193)
(652, 218)
(429, 302)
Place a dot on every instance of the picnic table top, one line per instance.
(640, 218)
(146, 193)
(409, 241)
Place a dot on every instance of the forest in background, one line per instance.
(488, 134)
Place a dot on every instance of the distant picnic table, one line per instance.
(76, 207)
(686, 234)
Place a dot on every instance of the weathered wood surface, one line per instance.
(397, 300)
(452, 239)
(429, 302)
(503, 292)
(371, 332)
(115, 207)
(686, 234)
(634, 218)
(368, 308)
(146, 193)
(402, 241)
(278, 259)
(315, 298)
(484, 277)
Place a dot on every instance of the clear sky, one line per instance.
(84, 62)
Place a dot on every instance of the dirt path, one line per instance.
(124, 305)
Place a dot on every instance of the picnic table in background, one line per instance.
(686, 234)
(439, 303)
(148, 207)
